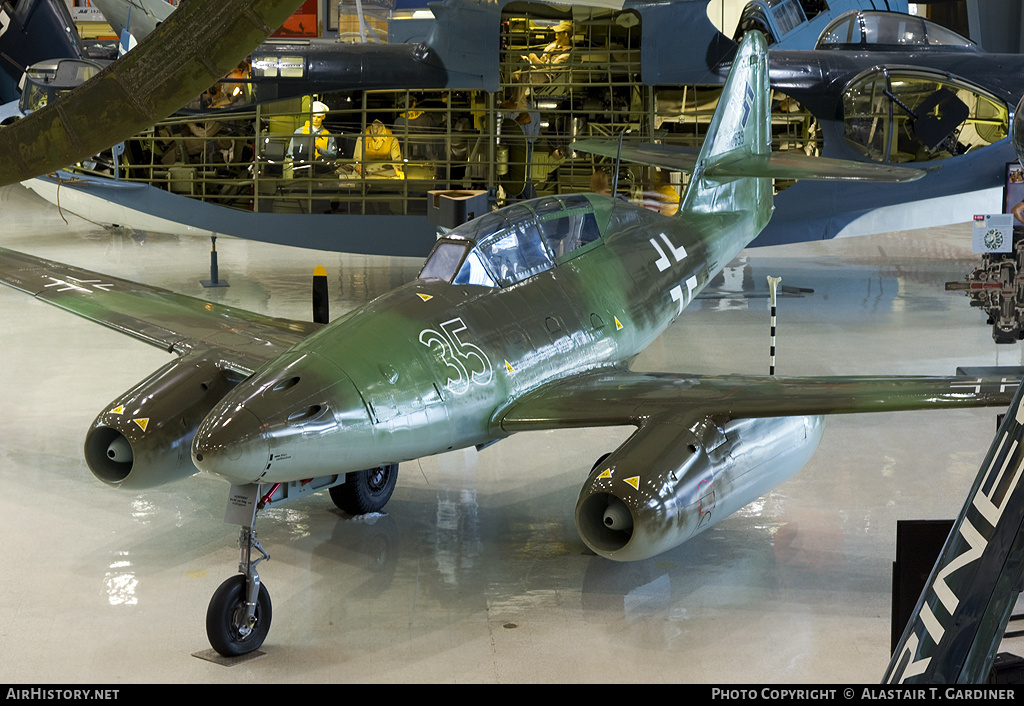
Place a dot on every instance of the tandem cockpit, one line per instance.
(508, 246)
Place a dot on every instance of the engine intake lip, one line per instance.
(108, 470)
(590, 518)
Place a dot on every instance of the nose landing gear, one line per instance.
(238, 617)
(239, 614)
(236, 624)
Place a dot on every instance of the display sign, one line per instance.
(993, 233)
(241, 504)
(1013, 187)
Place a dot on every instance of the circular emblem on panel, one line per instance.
(993, 239)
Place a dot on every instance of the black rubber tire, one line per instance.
(366, 491)
(221, 628)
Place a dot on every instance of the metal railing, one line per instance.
(446, 139)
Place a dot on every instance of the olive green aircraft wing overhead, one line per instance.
(198, 45)
(614, 398)
(781, 165)
(174, 322)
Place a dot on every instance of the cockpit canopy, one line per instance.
(510, 245)
(47, 80)
(890, 31)
(911, 115)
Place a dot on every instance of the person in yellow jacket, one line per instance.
(322, 146)
(378, 150)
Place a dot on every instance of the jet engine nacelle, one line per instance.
(143, 438)
(671, 480)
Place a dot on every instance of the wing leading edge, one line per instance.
(612, 398)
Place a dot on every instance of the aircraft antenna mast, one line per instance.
(618, 157)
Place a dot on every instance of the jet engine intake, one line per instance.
(672, 479)
(143, 438)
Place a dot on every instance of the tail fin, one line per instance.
(739, 130)
(733, 171)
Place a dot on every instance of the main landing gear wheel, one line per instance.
(366, 491)
(228, 626)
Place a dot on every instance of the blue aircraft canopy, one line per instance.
(510, 245)
(911, 115)
(890, 31)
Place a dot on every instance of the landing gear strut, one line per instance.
(239, 615)
(238, 618)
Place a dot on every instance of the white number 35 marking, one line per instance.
(466, 362)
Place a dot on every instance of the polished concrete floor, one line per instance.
(476, 573)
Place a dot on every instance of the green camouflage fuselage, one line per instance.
(430, 366)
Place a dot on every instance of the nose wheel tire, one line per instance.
(227, 628)
(366, 491)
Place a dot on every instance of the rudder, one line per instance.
(740, 128)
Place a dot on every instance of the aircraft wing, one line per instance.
(618, 398)
(780, 165)
(174, 322)
(705, 447)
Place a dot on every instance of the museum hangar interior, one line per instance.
(475, 572)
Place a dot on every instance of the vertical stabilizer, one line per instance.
(740, 129)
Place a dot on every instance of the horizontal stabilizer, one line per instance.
(676, 158)
(796, 165)
(778, 165)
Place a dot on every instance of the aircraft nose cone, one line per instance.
(231, 444)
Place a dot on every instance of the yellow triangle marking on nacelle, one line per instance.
(618, 324)
(509, 368)
(634, 481)
(606, 473)
(143, 422)
(118, 410)
(425, 297)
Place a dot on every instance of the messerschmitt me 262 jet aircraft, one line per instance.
(525, 318)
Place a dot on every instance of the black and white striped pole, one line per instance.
(773, 283)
